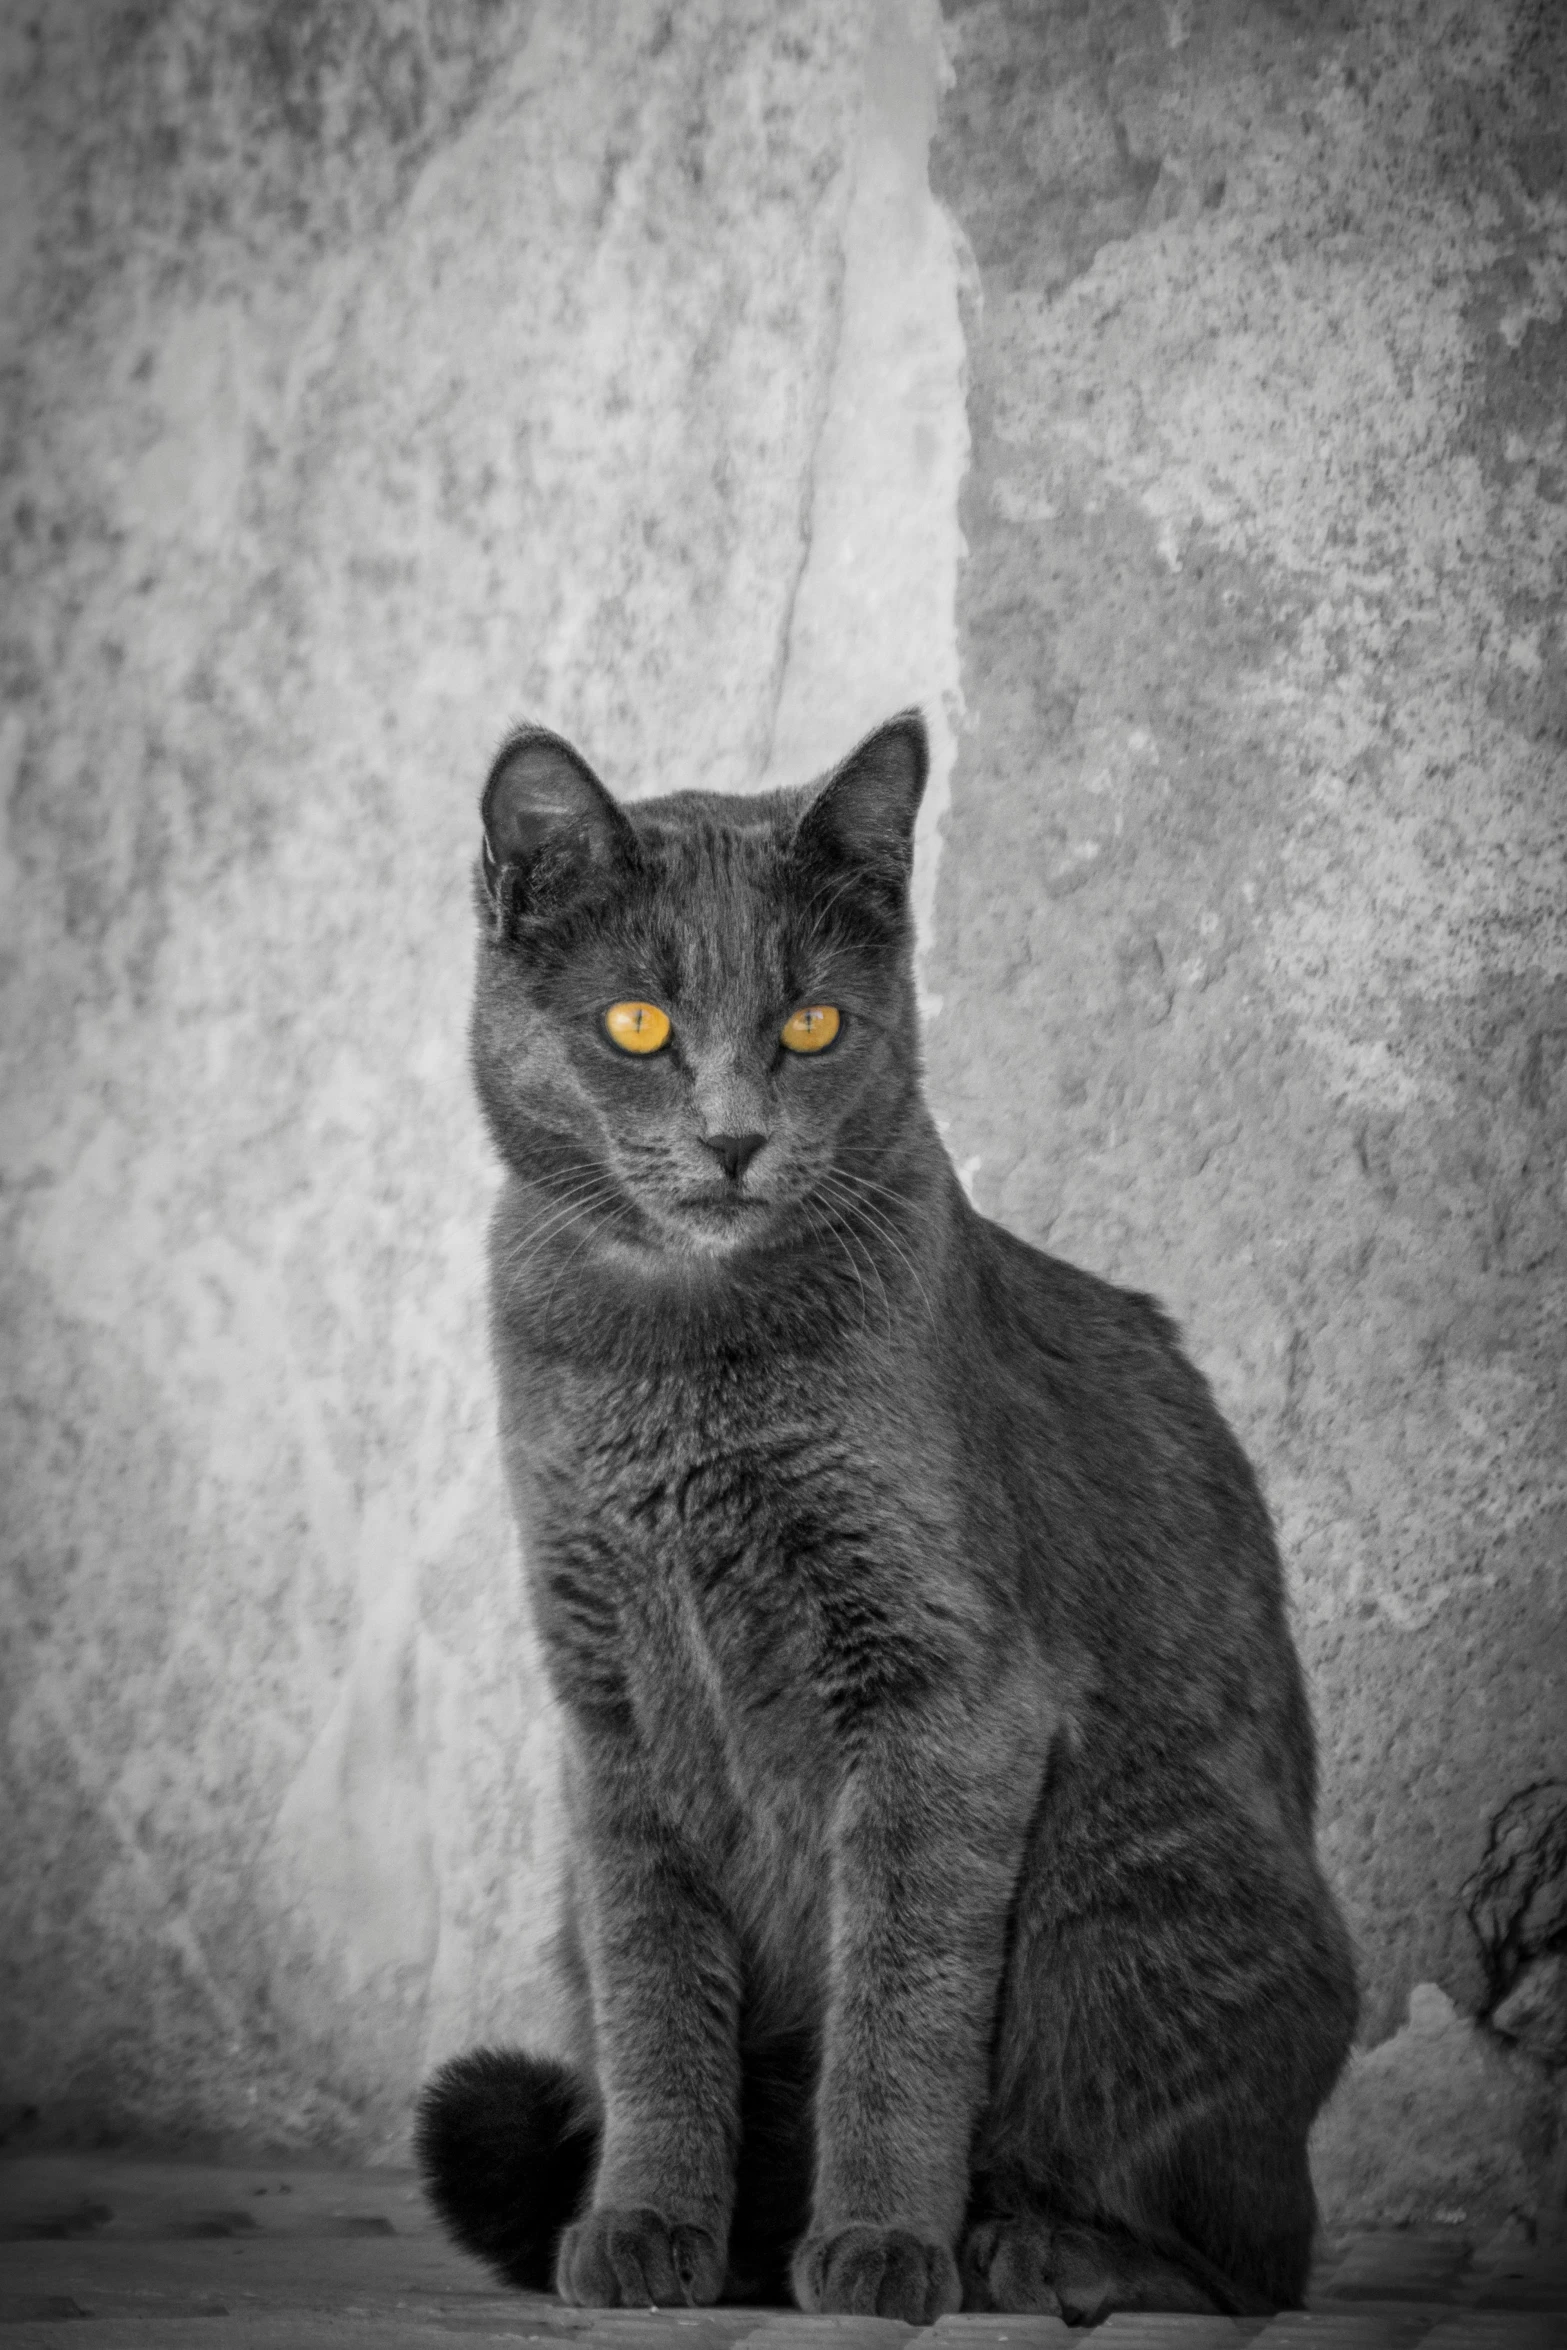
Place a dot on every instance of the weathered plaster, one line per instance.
(1255, 956)
(1435, 2127)
(874, 626)
(372, 379)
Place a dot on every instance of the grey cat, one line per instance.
(943, 1923)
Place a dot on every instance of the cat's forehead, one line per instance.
(721, 843)
(712, 901)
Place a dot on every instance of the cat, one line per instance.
(943, 1925)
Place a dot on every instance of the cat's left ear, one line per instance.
(864, 813)
(545, 813)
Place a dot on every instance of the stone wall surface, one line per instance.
(1253, 921)
(376, 375)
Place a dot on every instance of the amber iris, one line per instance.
(637, 1028)
(809, 1029)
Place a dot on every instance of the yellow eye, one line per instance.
(637, 1028)
(809, 1029)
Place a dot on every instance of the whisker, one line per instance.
(561, 1206)
(562, 1268)
(869, 1183)
(562, 1225)
(572, 1210)
(836, 1229)
(843, 1185)
(842, 1222)
(578, 1173)
(823, 1219)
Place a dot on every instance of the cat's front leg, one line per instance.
(664, 1980)
(927, 1842)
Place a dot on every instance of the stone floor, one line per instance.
(201, 2258)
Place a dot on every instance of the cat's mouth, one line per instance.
(720, 1219)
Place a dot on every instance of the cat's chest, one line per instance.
(707, 1468)
(737, 1500)
(727, 1539)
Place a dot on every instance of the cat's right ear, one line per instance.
(549, 826)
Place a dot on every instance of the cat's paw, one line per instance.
(863, 2271)
(1009, 2265)
(634, 2259)
(1031, 2266)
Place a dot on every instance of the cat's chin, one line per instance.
(716, 1228)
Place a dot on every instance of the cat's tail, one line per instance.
(506, 2142)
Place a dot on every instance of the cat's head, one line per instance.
(695, 1022)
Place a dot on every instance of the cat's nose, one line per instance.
(734, 1151)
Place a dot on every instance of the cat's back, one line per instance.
(1141, 1533)
(1100, 1368)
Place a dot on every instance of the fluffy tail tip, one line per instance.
(505, 2143)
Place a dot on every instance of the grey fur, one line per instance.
(940, 1774)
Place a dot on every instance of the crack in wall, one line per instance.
(872, 621)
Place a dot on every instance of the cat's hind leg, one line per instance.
(1057, 2268)
(1178, 2001)
(1043, 2256)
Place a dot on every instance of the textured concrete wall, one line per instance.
(1254, 917)
(374, 376)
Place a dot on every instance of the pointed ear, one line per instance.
(863, 815)
(544, 813)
